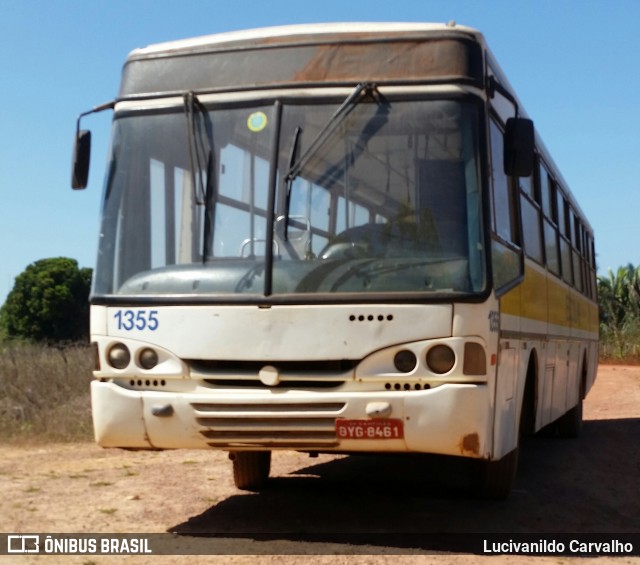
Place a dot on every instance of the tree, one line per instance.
(49, 302)
(619, 296)
(619, 299)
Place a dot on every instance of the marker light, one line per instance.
(119, 356)
(405, 361)
(441, 359)
(148, 358)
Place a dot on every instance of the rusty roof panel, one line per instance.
(263, 65)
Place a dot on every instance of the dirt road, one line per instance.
(591, 484)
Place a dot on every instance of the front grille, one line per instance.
(292, 374)
(217, 367)
(290, 425)
(285, 383)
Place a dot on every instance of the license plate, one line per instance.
(369, 429)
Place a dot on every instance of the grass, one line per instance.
(108, 510)
(620, 346)
(45, 393)
(101, 484)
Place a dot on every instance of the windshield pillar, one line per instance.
(271, 203)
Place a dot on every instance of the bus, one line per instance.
(335, 238)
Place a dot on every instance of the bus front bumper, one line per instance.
(451, 419)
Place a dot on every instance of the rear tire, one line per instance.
(570, 425)
(250, 469)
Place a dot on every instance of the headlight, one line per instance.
(441, 359)
(405, 361)
(148, 358)
(119, 356)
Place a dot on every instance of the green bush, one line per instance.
(49, 302)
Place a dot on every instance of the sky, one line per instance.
(573, 63)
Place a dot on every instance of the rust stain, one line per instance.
(389, 60)
(470, 442)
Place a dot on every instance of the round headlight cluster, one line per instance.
(441, 359)
(119, 357)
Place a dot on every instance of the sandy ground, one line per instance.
(335, 509)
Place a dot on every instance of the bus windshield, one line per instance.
(388, 201)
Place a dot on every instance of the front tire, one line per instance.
(495, 479)
(250, 469)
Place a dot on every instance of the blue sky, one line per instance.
(574, 64)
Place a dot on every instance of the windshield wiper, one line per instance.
(199, 153)
(295, 166)
(289, 181)
(364, 88)
(193, 107)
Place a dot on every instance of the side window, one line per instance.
(531, 233)
(592, 266)
(576, 252)
(530, 210)
(505, 252)
(545, 191)
(526, 186)
(503, 198)
(565, 244)
(548, 196)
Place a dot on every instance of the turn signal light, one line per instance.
(475, 359)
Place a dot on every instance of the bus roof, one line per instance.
(302, 32)
(307, 55)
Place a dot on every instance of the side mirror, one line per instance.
(519, 147)
(81, 159)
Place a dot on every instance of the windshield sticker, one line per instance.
(257, 121)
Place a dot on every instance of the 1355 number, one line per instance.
(129, 320)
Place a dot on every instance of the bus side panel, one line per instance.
(508, 381)
(592, 360)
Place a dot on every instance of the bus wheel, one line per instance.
(494, 479)
(250, 469)
(570, 425)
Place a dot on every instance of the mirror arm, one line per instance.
(82, 149)
(106, 106)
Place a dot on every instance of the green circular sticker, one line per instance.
(257, 121)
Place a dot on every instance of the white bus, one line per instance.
(335, 239)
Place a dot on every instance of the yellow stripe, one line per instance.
(544, 298)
